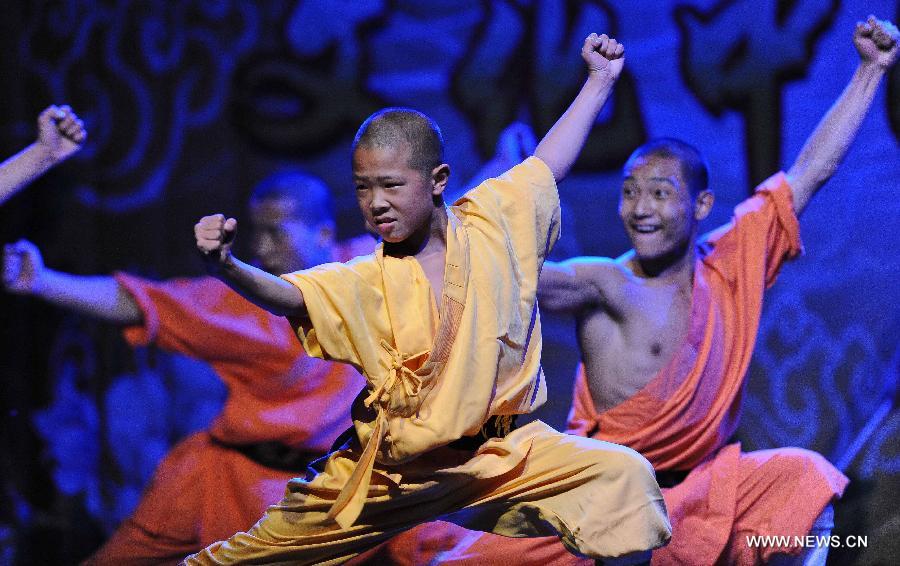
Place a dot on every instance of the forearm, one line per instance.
(99, 297)
(262, 289)
(560, 147)
(23, 168)
(829, 142)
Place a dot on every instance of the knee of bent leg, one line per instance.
(798, 463)
(613, 460)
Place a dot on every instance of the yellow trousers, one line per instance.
(601, 499)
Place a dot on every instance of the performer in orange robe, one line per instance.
(283, 410)
(683, 418)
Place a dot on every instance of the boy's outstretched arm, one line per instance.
(215, 236)
(877, 44)
(559, 149)
(60, 134)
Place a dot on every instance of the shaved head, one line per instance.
(392, 127)
(693, 167)
(313, 198)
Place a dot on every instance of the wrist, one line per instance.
(224, 265)
(868, 76)
(42, 154)
(872, 69)
(42, 283)
(601, 77)
(599, 85)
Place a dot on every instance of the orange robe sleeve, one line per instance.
(270, 379)
(763, 234)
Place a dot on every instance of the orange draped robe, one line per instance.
(683, 418)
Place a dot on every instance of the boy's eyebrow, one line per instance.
(379, 177)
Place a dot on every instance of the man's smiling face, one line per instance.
(656, 207)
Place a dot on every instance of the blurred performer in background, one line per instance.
(283, 408)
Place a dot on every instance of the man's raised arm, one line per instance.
(561, 145)
(60, 134)
(215, 236)
(877, 43)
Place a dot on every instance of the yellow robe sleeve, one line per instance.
(522, 207)
(346, 311)
(513, 221)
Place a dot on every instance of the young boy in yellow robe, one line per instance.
(442, 320)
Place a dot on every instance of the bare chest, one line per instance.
(625, 346)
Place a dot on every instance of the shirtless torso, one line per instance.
(633, 332)
(629, 327)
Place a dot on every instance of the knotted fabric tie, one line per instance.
(398, 373)
(349, 503)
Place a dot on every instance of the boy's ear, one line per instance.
(703, 204)
(440, 176)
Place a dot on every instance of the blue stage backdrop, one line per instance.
(190, 103)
